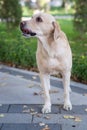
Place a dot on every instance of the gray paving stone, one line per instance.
(4, 108)
(19, 92)
(15, 118)
(29, 127)
(16, 108)
(79, 109)
(22, 92)
(54, 81)
(25, 108)
(46, 118)
(74, 127)
(38, 108)
(59, 118)
(0, 126)
(15, 127)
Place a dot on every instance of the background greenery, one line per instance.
(17, 51)
(10, 12)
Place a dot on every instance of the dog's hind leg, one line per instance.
(46, 86)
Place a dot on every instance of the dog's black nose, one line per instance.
(22, 24)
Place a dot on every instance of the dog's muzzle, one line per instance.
(26, 31)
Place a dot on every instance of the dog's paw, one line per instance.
(46, 109)
(67, 106)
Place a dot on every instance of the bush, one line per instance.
(80, 19)
(10, 12)
(79, 70)
(15, 50)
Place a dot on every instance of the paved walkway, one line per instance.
(21, 100)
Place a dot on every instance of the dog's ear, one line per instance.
(56, 30)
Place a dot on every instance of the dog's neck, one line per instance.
(46, 42)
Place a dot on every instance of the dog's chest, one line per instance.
(52, 62)
(51, 65)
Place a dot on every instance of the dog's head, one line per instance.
(39, 25)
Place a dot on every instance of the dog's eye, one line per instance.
(39, 19)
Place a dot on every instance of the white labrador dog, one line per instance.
(53, 54)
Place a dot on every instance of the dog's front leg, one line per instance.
(66, 84)
(45, 82)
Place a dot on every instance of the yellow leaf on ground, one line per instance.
(69, 117)
(46, 128)
(26, 111)
(85, 94)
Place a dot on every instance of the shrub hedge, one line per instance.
(16, 50)
(19, 51)
(79, 69)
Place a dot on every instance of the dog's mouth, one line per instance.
(27, 32)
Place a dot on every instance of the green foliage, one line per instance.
(79, 70)
(20, 51)
(80, 19)
(10, 12)
(16, 50)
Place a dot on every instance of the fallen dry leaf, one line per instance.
(41, 92)
(69, 117)
(85, 94)
(26, 111)
(25, 106)
(53, 91)
(77, 119)
(46, 128)
(39, 115)
(47, 117)
(30, 86)
(32, 110)
(33, 113)
(41, 124)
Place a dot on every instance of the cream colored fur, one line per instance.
(53, 56)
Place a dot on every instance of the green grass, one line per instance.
(61, 11)
(19, 51)
(78, 42)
